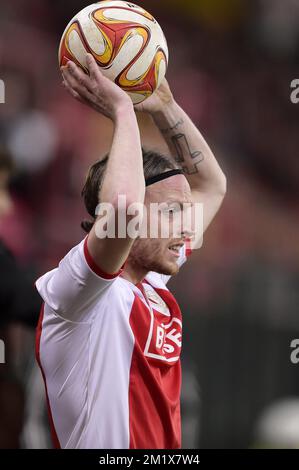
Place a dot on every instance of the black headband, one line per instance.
(163, 176)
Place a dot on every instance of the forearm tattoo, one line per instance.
(173, 128)
(187, 159)
(183, 153)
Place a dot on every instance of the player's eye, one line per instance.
(173, 210)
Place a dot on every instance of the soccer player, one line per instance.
(110, 333)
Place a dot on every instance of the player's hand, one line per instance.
(94, 90)
(157, 101)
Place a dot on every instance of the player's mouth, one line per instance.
(175, 249)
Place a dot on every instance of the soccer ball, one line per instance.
(126, 41)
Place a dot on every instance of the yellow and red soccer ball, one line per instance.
(126, 41)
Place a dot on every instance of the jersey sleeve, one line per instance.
(76, 285)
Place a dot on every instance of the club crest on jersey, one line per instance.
(164, 340)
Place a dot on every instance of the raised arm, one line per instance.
(124, 173)
(189, 149)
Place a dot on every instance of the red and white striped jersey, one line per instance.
(109, 352)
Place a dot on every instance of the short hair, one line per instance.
(154, 164)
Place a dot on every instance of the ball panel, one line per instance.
(126, 6)
(76, 46)
(72, 47)
(64, 55)
(129, 48)
(143, 62)
(92, 33)
(130, 34)
(149, 80)
(160, 67)
(138, 97)
(120, 15)
(108, 38)
(144, 87)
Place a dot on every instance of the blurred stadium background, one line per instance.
(231, 64)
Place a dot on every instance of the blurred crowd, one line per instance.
(231, 65)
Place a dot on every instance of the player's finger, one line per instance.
(82, 78)
(76, 85)
(79, 80)
(70, 81)
(75, 88)
(93, 68)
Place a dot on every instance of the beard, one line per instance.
(150, 256)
